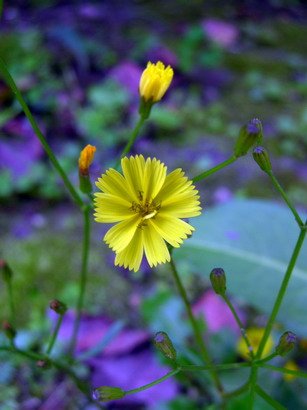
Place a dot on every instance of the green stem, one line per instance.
(218, 367)
(12, 85)
(54, 334)
(83, 277)
(222, 165)
(266, 359)
(286, 199)
(11, 301)
(266, 397)
(296, 373)
(237, 391)
(252, 385)
(240, 324)
(196, 329)
(131, 140)
(281, 292)
(82, 386)
(160, 380)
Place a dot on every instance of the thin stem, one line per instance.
(82, 386)
(222, 165)
(286, 199)
(274, 403)
(83, 277)
(197, 332)
(157, 381)
(11, 301)
(131, 140)
(240, 324)
(252, 385)
(281, 293)
(12, 85)
(296, 373)
(218, 367)
(54, 334)
(237, 391)
(266, 359)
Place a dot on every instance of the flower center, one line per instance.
(146, 210)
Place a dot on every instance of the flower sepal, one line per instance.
(145, 108)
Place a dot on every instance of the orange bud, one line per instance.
(86, 158)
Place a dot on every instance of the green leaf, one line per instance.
(252, 241)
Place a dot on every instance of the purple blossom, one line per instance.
(21, 149)
(225, 34)
(216, 313)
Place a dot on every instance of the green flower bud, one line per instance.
(165, 345)
(218, 281)
(261, 156)
(106, 393)
(9, 331)
(5, 270)
(59, 307)
(250, 134)
(286, 343)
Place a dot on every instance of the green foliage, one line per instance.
(250, 240)
(101, 119)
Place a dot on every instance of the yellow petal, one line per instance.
(154, 177)
(131, 256)
(133, 169)
(173, 230)
(112, 182)
(155, 248)
(110, 208)
(120, 235)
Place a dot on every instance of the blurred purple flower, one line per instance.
(128, 75)
(131, 371)
(216, 313)
(93, 329)
(162, 54)
(21, 149)
(225, 34)
(118, 365)
(222, 194)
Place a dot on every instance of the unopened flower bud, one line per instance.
(218, 281)
(59, 307)
(250, 135)
(85, 160)
(5, 270)
(261, 156)
(9, 330)
(106, 393)
(154, 82)
(43, 364)
(286, 343)
(165, 345)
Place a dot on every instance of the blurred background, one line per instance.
(78, 65)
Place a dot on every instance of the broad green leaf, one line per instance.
(253, 241)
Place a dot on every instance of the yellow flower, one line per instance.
(155, 80)
(254, 336)
(86, 158)
(290, 365)
(146, 205)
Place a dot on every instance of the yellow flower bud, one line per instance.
(86, 158)
(155, 80)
